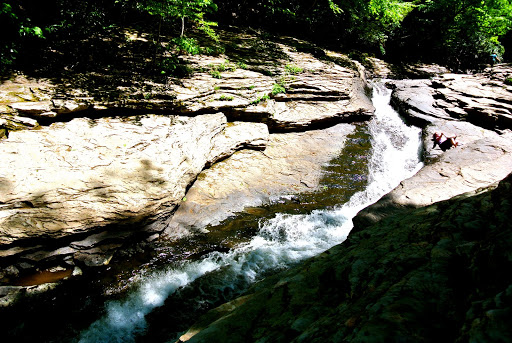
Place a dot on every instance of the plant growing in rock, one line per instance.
(278, 89)
(215, 74)
(226, 97)
(293, 69)
(259, 99)
(215, 70)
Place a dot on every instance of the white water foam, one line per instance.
(283, 240)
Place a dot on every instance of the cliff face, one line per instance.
(437, 273)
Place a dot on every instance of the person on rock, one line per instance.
(443, 141)
(494, 59)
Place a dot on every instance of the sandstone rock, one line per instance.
(89, 174)
(33, 108)
(318, 92)
(473, 98)
(474, 165)
(103, 178)
(48, 108)
(415, 100)
(9, 294)
(291, 164)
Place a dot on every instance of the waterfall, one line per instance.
(282, 240)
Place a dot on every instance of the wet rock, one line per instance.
(464, 169)
(9, 295)
(428, 274)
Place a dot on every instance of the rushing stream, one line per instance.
(279, 242)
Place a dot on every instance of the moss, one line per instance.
(226, 97)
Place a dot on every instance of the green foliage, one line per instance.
(215, 74)
(508, 81)
(16, 29)
(241, 65)
(173, 66)
(186, 45)
(215, 70)
(293, 69)
(226, 97)
(192, 9)
(261, 98)
(463, 33)
(278, 89)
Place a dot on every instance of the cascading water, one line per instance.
(281, 241)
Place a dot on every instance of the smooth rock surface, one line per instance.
(482, 99)
(102, 179)
(291, 164)
(67, 178)
(474, 165)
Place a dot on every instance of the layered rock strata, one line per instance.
(82, 175)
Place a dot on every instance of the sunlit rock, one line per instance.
(291, 164)
(68, 178)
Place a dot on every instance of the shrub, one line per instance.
(187, 45)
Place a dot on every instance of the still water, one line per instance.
(384, 152)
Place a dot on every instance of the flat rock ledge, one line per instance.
(81, 176)
(483, 99)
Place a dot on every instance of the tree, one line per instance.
(361, 24)
(460, 33)
(192, 9)
(16, 27)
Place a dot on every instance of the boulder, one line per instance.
(478, 98)
(68, 178)
(317, 93)
(78, 188)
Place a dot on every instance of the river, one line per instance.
(278, 242)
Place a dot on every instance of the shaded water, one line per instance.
(245, 251)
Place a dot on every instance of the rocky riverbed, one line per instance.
(83, 177)
(427, 262)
